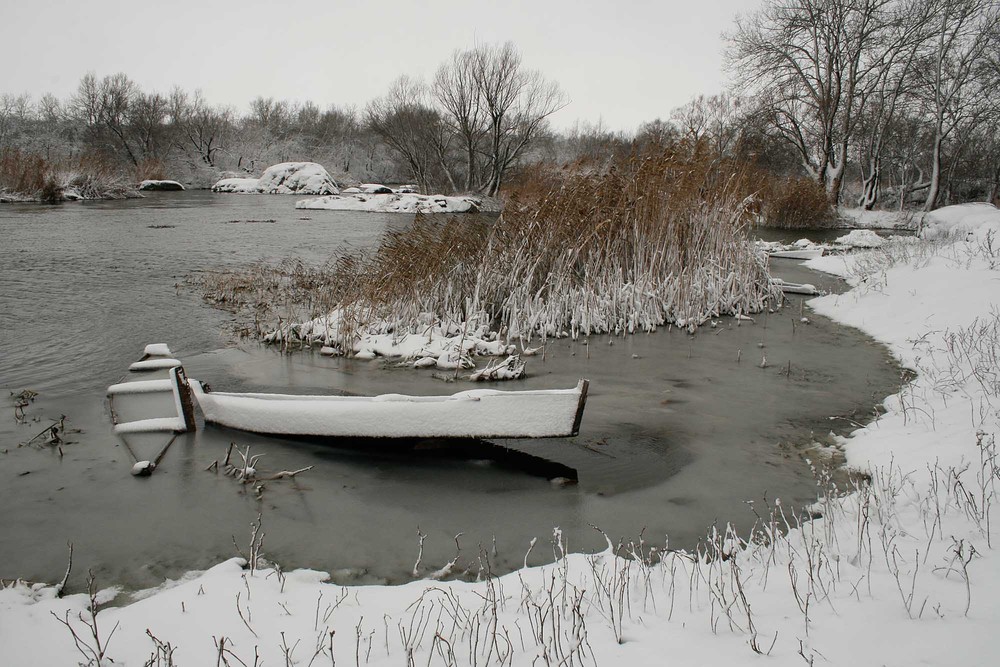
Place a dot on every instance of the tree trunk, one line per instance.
(935, 186)
(870, 185)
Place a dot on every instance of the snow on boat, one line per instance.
(478, 413)
(801, 253)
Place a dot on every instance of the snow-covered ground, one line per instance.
(900, 570)
(287, 178)
(862, 219)
(393, 203)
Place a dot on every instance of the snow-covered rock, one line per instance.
(297, 178)
(860, 238)
(287, 178)
(393, 203)
(160, 185)
(374, 189)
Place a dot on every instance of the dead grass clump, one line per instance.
(31, 177)
(795, 203)
(22, 173)
(151, 169)
(654, 240)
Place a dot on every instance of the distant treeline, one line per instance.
(886, 103)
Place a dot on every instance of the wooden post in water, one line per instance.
(182, 390)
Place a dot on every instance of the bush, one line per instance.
(794, 203)
(23, 173)
(51, 192)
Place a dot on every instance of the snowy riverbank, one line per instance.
(393, 203)
(899, 571)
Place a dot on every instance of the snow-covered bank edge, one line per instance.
(901, 570)
(393, 203)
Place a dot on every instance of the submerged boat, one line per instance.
(801, 253)
(795, 288)
(163, 406)
(150, 406)
(478, 413)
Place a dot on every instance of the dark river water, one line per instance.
(679, 432)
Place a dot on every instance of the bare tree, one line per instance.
(953, 73)
(404, 119)
(814, 63)
(887, 90)
(14, 113)
(714, 120)
(517, 103)
(199, 127)
(456, 91)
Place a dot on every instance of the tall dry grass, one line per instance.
(31, 177)
(656, 239)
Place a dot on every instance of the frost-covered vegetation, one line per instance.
(658, 239)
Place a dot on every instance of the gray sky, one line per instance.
(623, 62)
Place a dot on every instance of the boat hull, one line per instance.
(797, 254)
(480, 413)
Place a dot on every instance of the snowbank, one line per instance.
(902, 570)
(974, 220)
(160, 185)
(393, 203)
(287, 178)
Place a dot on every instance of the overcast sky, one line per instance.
(621, 62)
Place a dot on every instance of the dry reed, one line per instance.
(31, 177)
(655, 240)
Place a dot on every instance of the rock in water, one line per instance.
(160, 185)
(287, 178)
(305, 178)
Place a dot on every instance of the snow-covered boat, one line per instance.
(801, 253)
(478, 413)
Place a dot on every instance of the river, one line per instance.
(680, 430)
